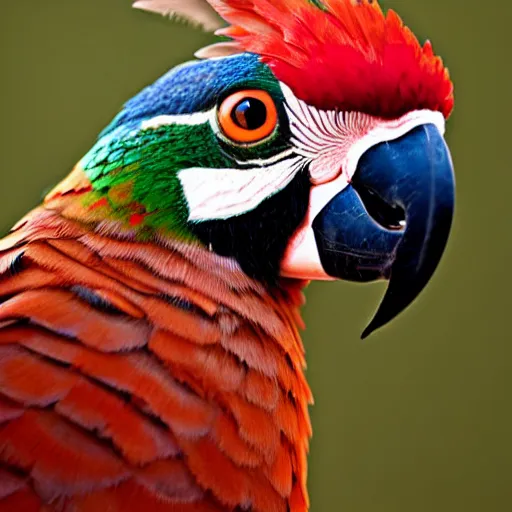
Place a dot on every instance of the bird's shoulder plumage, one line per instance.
(144, 376)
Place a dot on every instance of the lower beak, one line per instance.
(393, 221)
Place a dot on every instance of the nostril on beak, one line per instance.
(389, 216)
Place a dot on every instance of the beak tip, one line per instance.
(366, 332)
(370, 329)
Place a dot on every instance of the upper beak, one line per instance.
(393, 221)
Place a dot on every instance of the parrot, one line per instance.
(150, 307)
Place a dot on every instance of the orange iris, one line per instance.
(248, 116)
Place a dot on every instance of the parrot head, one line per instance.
(309, 146)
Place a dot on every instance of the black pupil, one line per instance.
(250, 114)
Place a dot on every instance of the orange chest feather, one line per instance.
(145, 377)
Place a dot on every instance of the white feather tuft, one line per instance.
(197, 12)
(225, 49)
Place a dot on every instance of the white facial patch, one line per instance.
(225, 193)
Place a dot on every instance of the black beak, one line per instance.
(393, 221)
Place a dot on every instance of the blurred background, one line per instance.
(417, 418)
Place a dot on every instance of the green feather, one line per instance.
(319, 4)
(149, 161)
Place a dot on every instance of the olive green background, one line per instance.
(415, 419)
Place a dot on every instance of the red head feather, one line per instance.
(341, 54)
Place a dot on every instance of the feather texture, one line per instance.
(197, 12)
(144, 376)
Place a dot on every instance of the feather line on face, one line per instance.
(333, 142)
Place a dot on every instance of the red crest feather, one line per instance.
(341, 54)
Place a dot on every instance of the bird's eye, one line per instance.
(247, 116)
